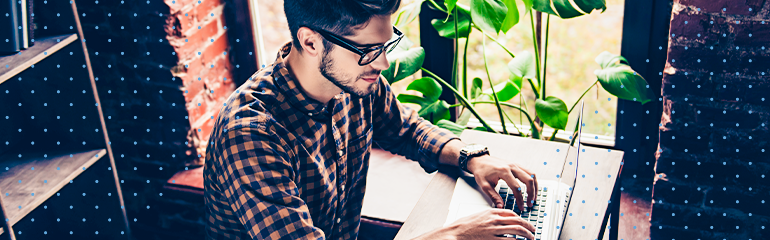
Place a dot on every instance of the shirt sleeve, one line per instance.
(400, 130)
(258, 181)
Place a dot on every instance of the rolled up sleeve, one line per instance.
(400, 130)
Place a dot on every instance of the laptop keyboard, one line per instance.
(535, 214)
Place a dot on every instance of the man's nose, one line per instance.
(381, 63)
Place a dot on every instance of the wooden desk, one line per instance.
(600, 167)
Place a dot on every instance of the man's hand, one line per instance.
(485, 225)
(489, 170)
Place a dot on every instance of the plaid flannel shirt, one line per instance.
(281, 165)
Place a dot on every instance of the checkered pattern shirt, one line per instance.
(281, 165)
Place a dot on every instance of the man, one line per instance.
(289, 152)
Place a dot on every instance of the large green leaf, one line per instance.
(408, 13)
(625, 83)
(523, 65)
(455, 128)
(408, 98)
(527, 5)
(435, 111)
(620, 80)
(512, 17)
(553, 112)
(508, 89)
(607, 59)
(430, 88)
(568, 8)
(488, 15)
(450, 5)
(447, 28)
(403, 63)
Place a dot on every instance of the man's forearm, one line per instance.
(451, 152)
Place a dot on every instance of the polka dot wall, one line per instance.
(161, 70)
(711, 168)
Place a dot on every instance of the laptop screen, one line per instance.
(569, 172)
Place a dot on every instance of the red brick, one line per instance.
(192, 87)
(196, 37)
(221, 66)
(215, 49)
(694, 84)
(727, 117)
(686, 138)
(205, 8)
(196, 112)
(730, 6)
(177, 5)
(185, 22)
(696, 24)
(760, 33)
(222, 89)
(193, 68)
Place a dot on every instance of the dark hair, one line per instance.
(340, 17)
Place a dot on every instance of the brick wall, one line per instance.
(163, 69)
(198, 34)
(713, 156)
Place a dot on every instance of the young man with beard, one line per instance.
(289, 153)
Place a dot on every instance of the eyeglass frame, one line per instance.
(344, 43)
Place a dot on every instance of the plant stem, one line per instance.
(507, 104)
(454, 56)
(534, 88)
(553, 135)
(581, 97)
(491, 85)
(513, 123)
(537, 52)
(535, 133)
(462, 99)
(465, 63)
(437, 6)
(495, 40)
(545, 54)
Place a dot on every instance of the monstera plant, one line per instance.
(492, 17)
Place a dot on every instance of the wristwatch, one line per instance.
(470, 151)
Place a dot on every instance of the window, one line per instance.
(572, 46)
(273, 31)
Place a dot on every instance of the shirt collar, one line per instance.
(291, 88)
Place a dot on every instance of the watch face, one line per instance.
(474, 147)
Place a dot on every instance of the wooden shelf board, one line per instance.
(38, 175)
(11, 65)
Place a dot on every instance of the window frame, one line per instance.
(639, 29)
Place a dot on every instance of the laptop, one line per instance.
(547, 214)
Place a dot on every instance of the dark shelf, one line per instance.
(40, 174)
(11, 65)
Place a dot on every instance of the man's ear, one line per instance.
(310, 42)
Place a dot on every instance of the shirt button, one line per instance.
(343, 187)
(339, 152)
(338, 220)
(310, 114)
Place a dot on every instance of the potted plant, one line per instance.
(491, 17)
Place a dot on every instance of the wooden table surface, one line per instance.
(597, 174)
(393, 186)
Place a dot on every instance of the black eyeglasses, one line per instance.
(368, 54)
